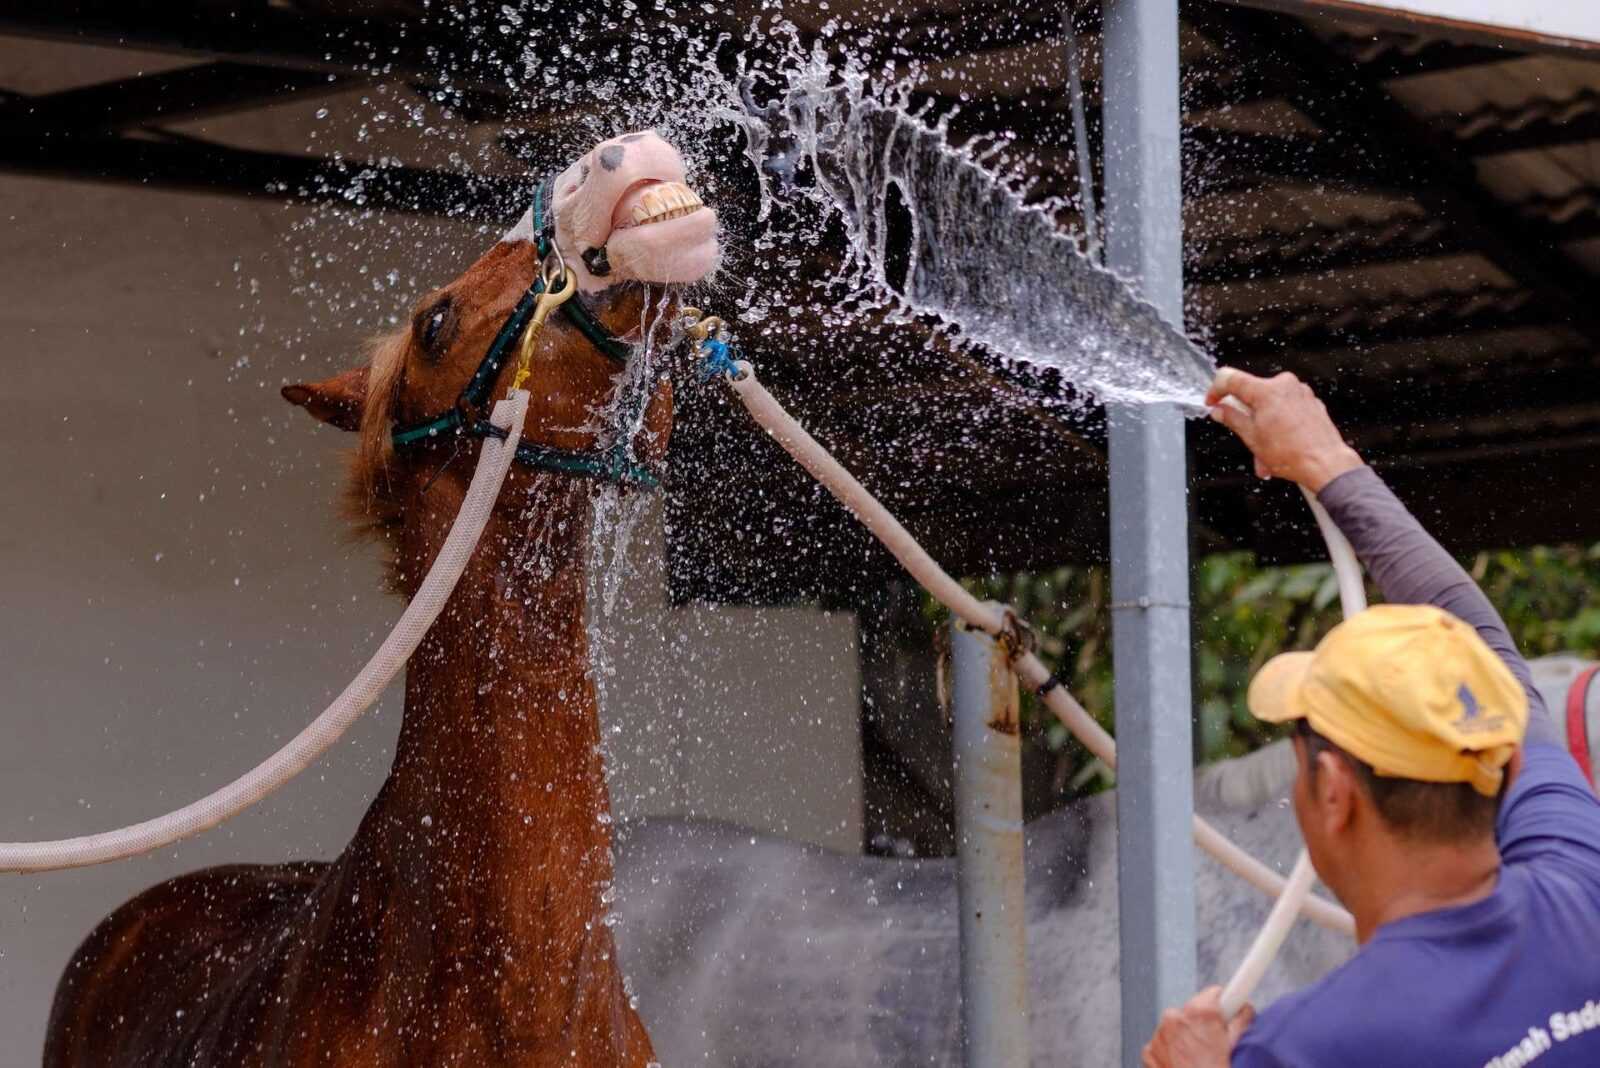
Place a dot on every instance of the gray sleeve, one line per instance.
(1409, 567)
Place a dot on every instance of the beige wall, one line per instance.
(177, 597)
(729, 713)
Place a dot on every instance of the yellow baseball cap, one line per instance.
(1409, 689)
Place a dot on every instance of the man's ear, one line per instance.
(1336, 791)
(338, 401)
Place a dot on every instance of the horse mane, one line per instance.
(373, 501)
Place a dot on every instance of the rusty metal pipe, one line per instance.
(988, 794)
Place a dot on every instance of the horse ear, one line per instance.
(337, 401)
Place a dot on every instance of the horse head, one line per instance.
(624, 222)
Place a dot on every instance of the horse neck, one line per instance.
(493, 829)
(501, 682)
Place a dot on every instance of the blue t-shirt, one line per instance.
(1509, 981)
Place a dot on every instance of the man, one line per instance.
(1467, 851)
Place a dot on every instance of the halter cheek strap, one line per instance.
(577, 313)
(467, 418)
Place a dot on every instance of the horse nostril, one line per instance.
(611, 157)
(597, 261)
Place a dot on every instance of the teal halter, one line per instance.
(467, 418)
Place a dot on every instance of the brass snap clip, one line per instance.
(551, 299)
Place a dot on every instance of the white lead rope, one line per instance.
(1031, 671)
(493, 462)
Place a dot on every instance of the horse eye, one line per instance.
(432, 326)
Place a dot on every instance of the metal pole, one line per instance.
(988, 788)
(1149, 534)
(1080, 135)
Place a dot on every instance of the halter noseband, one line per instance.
(468, 415)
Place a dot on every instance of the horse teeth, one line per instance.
(670, 200)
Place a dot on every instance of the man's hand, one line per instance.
(1196, 1036)
(1285, 426)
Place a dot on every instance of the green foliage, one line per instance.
(1245, 613)
(1549, 596)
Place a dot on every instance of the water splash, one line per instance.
(832, 145)
(620, 422)
(993, 269)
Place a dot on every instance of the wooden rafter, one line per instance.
(1538, 471)
(1520, 391)
(1205, 87)
(431, 51)
(1534, 125)
(188, 163)
(960, 31)
(1309, 328)
(1388, 55)
(169, 96)
(1572, 216)
(1282, 254)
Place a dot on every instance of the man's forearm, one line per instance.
(1410, 567)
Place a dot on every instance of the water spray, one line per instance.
(990, 265)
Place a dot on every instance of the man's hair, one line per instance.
(1436, 812)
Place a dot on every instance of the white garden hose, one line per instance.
(1030, 670)
(493, 462)
(1352, 599)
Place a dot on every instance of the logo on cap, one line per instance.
(1472, 719)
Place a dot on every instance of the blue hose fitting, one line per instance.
(719, 359)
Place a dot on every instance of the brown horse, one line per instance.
(466, 922)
